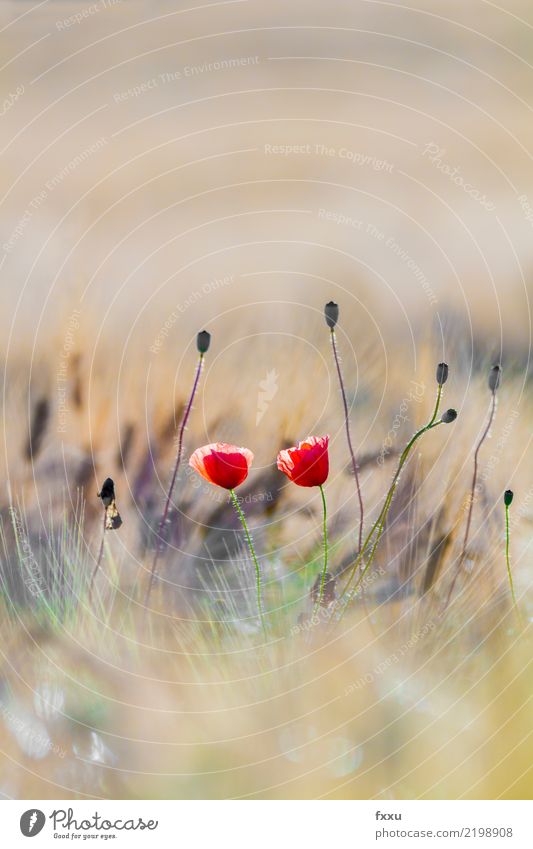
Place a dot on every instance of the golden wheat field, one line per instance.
(168, 168)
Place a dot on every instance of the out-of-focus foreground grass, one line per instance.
(399, 701)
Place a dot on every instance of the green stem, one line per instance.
(379, 524)
(325, 567)
(507, 560)
(254, 556)
(392, 490)
(435, 411)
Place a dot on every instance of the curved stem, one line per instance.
(349, 438)
(435, 411)
(472, 496)
(394, 484)
(474, 476)
(254, 557)
(379, 524)
(508, 562)
(325, 567)
(164, 517)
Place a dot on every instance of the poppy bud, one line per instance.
(508, 497)
(331, 313)
(442, 373)
(113, 519)
(495, 376)
(203, 340)
(107, 493)
(449, 416)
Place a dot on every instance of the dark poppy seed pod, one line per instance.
(508, 497)
(449, 416)
(331, 313)
(495, 377)
(107, 493)
(442, 373)
(203, 340)
(113, 520)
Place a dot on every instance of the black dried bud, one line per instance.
(331, 313)
(508, 497)
(495, 378)
(107, 493)
(442, 373)
(203, 340)
(449, 416)
(113, 520)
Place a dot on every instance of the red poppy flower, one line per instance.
(222, 464)
(307, 464)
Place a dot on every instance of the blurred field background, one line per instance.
(167, 167)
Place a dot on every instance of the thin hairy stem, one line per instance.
(325, 567)
(508, 561)
(349, 438)
(386, 507)
(379, 524)
(475, 473)
(161, 531)
(471, 498)
(254, 557)
(381, 520)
